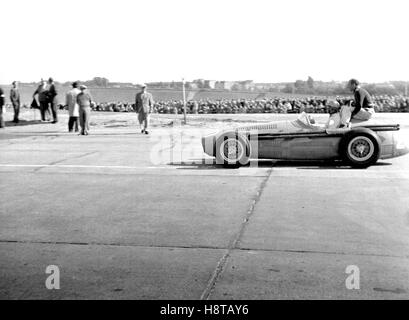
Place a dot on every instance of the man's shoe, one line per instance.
(142, 131)
(146, 132)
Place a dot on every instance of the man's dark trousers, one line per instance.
(1, 117)
(54, 106)
(44, 109)
(73, 123)
(16, 107)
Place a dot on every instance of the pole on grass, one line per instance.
(184, 101)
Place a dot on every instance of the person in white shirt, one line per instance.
(73, 107)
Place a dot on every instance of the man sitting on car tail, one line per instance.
(362, 107)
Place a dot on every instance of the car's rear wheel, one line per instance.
(360, 148)
(232, 150)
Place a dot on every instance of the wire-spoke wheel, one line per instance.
(232, 150)
(360, 148)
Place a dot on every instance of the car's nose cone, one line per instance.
(402, 151)
(401, 144)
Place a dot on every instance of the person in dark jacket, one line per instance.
(363, 105)
(52, 99)
(43, 100)
(15, 100)
(362, 108)
(2, 102)
(144, 105)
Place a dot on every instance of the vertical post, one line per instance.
(184, 101)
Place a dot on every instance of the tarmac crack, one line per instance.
(193, 247)
(233, 245)
(65, 159)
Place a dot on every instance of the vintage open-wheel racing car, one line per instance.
(360, 145)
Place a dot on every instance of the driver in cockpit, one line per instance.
(334, 120)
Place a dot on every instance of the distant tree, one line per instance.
(376, 89)
(300, 86)
(98, 82)
(101, 82)
(235, 87)
(340, 90)
(310, 83)
(289, 88)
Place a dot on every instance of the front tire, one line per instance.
(232, 150)
(360, 148)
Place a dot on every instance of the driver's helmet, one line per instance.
(333, 106)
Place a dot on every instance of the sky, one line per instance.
(161, 40)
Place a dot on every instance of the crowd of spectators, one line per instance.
(274, 105)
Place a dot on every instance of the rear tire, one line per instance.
(360, 148)
(232, 150)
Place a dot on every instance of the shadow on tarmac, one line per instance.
(24, 123)
(206, 164)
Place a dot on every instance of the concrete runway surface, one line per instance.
(130, 216)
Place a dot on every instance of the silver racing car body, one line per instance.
(360, 145)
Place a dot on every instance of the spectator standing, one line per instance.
(144, 105)
(52, 99)
(2, 102)
(15, 100)
(42, 99)
(73, 107)
(84, 100)
(195, 108)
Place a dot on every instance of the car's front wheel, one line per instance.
(360, 148)
(232, 150)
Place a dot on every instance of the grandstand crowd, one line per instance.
(274, 105)
(383, 103)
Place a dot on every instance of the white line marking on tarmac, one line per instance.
(284, 169)
(79, 166)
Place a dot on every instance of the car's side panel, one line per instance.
(303, 148)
